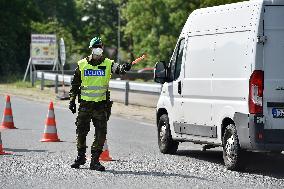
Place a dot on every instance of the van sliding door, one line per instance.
(197, 87)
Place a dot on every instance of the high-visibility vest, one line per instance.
(95, 80)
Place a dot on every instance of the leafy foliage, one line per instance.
(154, 25)
(210, 3)
(149, 26)
(15, 17)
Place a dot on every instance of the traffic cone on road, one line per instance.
(2, 152)
(105, 154)
(7, 121)
(50, 131)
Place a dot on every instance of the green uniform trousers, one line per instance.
(90, 111)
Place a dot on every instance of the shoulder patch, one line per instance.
(82, 61)
(109, 60)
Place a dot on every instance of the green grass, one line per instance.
(23, 84)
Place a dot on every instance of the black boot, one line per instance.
(95, 164)
(80, 160)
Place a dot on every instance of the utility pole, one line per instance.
(118, 35)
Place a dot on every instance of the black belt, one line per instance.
(92, 104)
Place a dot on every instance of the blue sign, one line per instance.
(278, 112)
(94, 73)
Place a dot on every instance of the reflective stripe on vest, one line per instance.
(95, 80)
(94, 88)
(93, 94)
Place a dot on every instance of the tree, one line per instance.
(64, 12)
(60, 18)
(15, 18)
(154, 26)
(97, 18)
(210, 3)
(149, 26)
(21, 18)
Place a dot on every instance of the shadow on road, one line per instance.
(24, 150)
(265, 164)
(256, 163)
(211, 156)
(153, 173)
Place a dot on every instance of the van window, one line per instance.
(176, 61)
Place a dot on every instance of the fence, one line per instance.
(127, 86)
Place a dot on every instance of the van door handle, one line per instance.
(179, 87)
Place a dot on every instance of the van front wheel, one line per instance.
(166, 144)
(232, 152)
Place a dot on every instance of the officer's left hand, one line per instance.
(127, 66)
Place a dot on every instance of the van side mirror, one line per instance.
(160, 75)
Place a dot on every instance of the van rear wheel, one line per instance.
(166, 144)
(232, 153)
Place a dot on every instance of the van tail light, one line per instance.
(256, 86)
(260, 136)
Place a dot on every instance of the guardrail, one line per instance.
(125, 85)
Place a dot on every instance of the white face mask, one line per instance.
(97, 51)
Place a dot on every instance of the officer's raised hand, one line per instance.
(72, 106)
(127, 66)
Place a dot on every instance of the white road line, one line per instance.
(147, 124)
(135, 121)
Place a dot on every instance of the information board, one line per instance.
(43, 49)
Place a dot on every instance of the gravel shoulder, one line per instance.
(141, 113)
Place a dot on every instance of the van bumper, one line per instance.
(253, 136)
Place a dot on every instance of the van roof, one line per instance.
(233, 17)
(271, 2)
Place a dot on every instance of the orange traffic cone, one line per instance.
(7, 121)
(50, 131)
(105, 154)
(2, 152)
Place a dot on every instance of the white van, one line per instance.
(224, 85)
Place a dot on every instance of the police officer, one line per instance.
(90, 84)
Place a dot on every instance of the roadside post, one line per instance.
(42, 81)
(126, 101)
(56, 84)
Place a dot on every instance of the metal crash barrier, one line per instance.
(125, 85)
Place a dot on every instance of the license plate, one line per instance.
(277, 113)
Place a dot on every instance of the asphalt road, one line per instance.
(133, 146)
(136, 98)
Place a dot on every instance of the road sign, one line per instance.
(43, 49)
(62, 52)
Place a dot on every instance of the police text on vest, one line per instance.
(94, 72)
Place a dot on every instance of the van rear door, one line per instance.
(273, 97)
